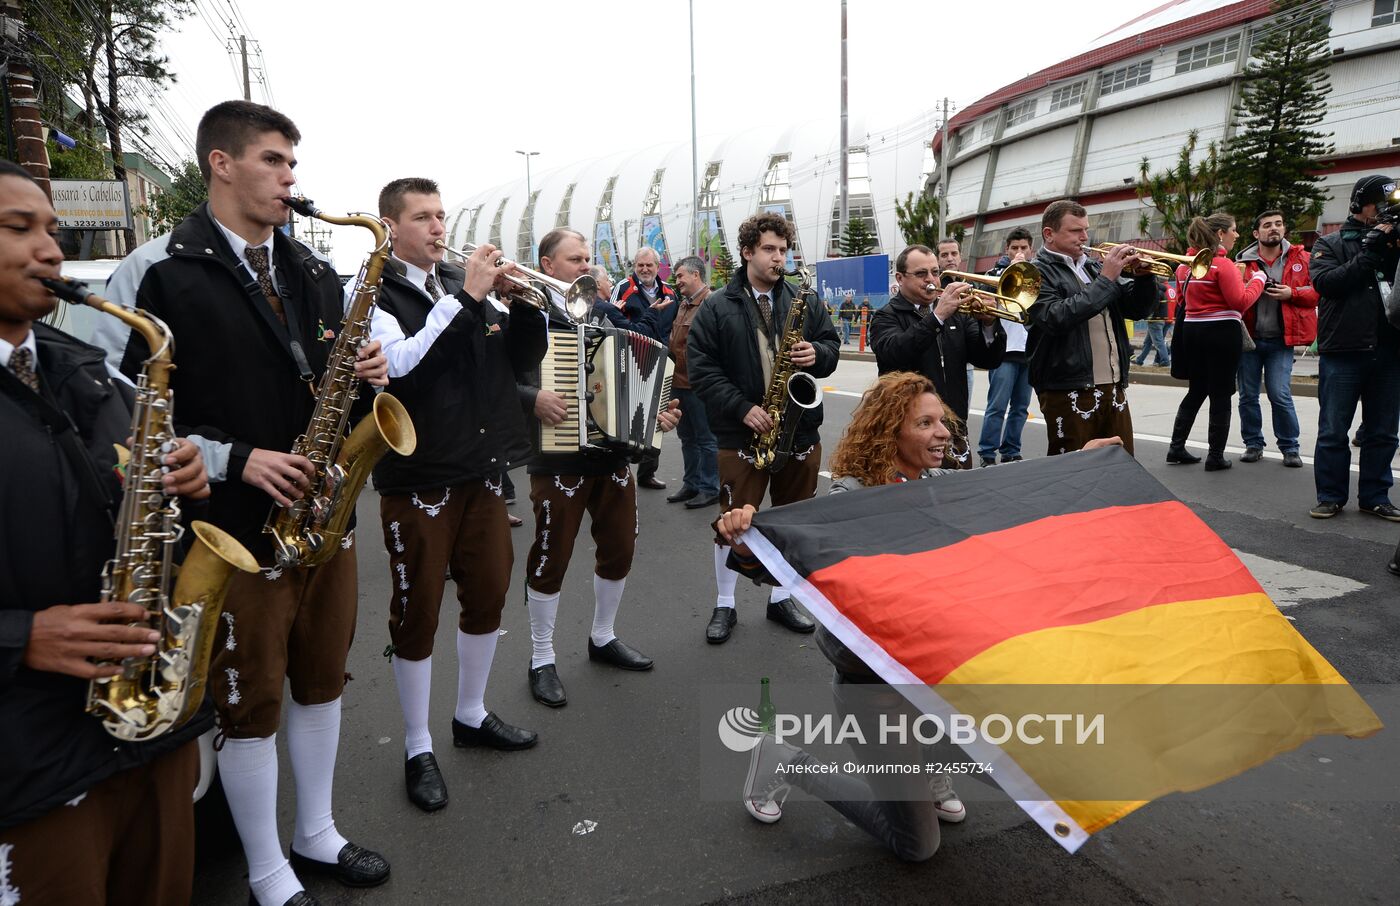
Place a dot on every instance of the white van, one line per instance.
(81, 320)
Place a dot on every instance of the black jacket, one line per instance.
(1350, 311)
(1057, 343)
(460, 390)
(58, 535)
(238, 377)
(722, 357)
(903, 341)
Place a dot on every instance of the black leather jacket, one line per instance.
(1057, 344)
(1350, 311)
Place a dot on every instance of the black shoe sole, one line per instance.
(304, 864)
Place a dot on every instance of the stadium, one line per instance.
(1079, 128)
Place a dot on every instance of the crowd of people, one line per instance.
(462, 350)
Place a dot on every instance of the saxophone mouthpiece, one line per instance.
(68, 290)
(302, 205)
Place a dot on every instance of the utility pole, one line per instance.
(845, 210)
(243, 49)
(694, 147)
(26, 124)
(943, 156)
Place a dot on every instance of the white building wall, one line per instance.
(1032, 168)
(965, 186)
(1156, 131)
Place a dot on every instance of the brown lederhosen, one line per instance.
(129, 839)
(741, 483)
(1075, 417)
(461, 528)
(560, 502)
(292, 624)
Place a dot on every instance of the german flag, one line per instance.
(1080, 576)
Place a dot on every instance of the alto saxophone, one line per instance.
(310, 530)
(155, 694)
(788, 388)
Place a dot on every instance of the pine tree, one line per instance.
(1268, 163)
(1181, 193)
(858, 239)
(187, 192)
(723, 270)
(918, 219)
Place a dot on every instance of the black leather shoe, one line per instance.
(721, 624)
(1385, 510)
(786, 613)
(652, 482)
(493, 733)
(682, 495)
(546, 688)
(700, 503)
(1216, 462)
(1292, 460)
(618, 654)
(300, 898)
(354, 866)
(424, 782)
(1180, 456)
(1252, 454)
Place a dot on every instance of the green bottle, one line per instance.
(767, 714)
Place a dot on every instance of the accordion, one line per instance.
(614, 383)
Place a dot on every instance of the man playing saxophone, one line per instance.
(62, 777)
(733, 343)
(255, 315)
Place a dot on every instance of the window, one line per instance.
(1208, 53)
(1021, 113)
(989, 125)
(525, 236)
(652, 203)
(775, 181)
(495, 237)
(1125, 77)
(1067, 96)
(561, 219)
(604, 213)
(1385, 12)
(709, 187)
(471, 229)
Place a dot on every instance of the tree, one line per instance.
(186, 193)
(1180, 193)
(723, 270)
(1271, 162)
(918, 219)
(858, 239)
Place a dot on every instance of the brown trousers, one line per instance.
(426, 533)
(1075, 417)
(283, 624)
(128, 840)
(560, 502)
(740, 483)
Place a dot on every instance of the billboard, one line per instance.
(91, 204)
(656, 240)
(605, 249)
(868, 276)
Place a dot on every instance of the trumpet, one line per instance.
(1016, 290)
(1163, 264)
(578, 296)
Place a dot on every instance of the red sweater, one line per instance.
(1222, 294)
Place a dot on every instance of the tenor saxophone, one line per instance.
(155, 694)
(788, 390)
(310, 530)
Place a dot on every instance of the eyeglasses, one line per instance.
(924, 274)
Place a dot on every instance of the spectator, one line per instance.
(699, 449)
(848, 315)
(1009, 387)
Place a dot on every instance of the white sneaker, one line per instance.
(946, 803)
(765, 790)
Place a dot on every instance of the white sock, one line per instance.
(313, 735)
(725, 578)
(779, 593)
(607, 597)
(415, 682)
(543, 610)
(248, 771)
(474, 656)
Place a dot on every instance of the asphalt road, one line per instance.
(622, 753)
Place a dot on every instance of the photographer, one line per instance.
(1359, 351)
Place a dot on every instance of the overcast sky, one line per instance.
(450, 90)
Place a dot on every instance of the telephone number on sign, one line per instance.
(93, 224)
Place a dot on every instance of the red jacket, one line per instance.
(1300, 312)
(1222, 294)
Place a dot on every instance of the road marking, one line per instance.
(1290, 585)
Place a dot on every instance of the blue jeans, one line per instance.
(1001, 431)
(1343, 380)
(1156, 338)
(846, 330)
(699, 451)
(1275, 360)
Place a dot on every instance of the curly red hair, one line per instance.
(866, 451)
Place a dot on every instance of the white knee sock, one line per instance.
(313, 735)
(248, 771)
(543, 610)
(474, 656)
(415, 682)
(725, 578)
(779, 593)
(607, 596)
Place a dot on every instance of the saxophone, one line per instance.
(155, 694)
(788, 388)
(310, 531)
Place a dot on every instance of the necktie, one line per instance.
(431, 285)
(22, 364)
(765, 309)
(257, 258)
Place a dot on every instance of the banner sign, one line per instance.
(91, 204)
